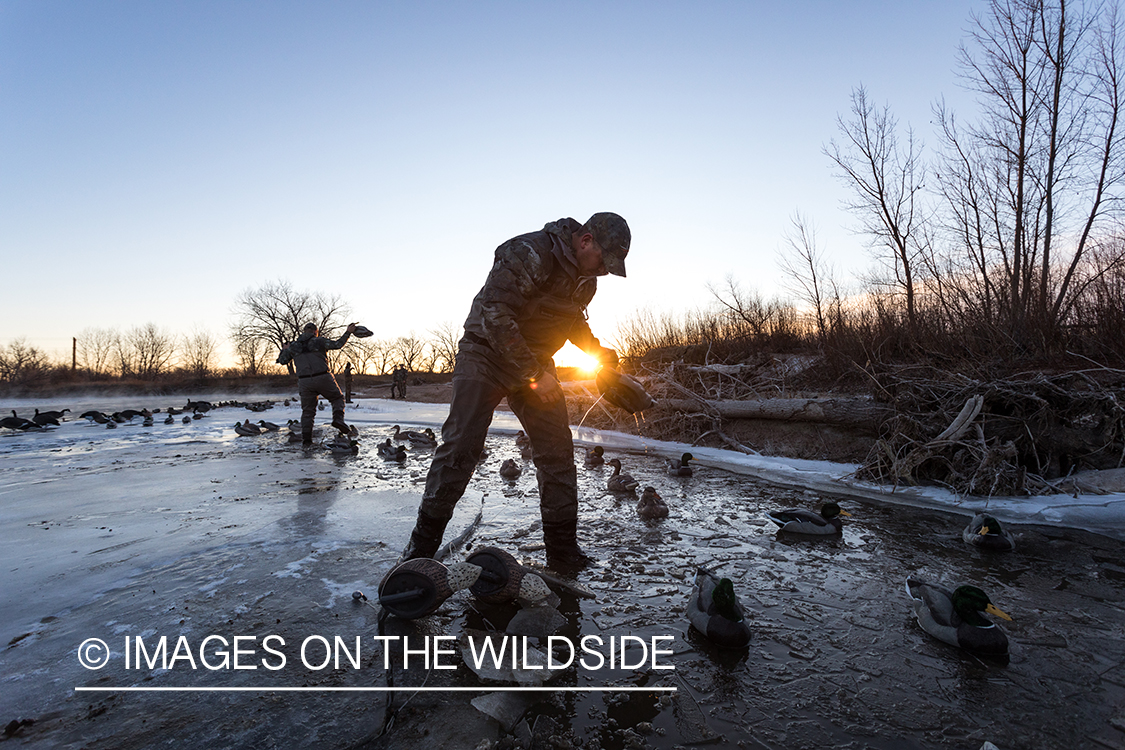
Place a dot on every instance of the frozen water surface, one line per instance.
(186, 530)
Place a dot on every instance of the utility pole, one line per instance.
(73, 353)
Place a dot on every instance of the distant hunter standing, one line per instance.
(309, 355)
(532, 303)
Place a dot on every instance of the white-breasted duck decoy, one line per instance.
(619, 482)
(714, 610)
(985, 531)
(803, 521)
(955, 617)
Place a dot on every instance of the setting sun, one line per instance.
(571, 356)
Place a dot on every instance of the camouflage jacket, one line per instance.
(532, 302)
(309, 353)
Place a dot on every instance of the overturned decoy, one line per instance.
(619, 482)
(802, 521)
(955, 617)
(651, 505)
(595, 456)
(510, 469)
(985, 531)
(714, 610)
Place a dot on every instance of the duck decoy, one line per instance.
(619, 482)
(424, 439)
(268, 426)
(523, 442)
(678, 467)
(391, 452)
(955, 617)
(714, 610)
(186, 419)
(111, 424)
(169, 419)
(510, 469)
(985, 531)
(802, 521)
(651, 505)
(147, 421)
(595, 456)
(247, 429)
(342, 444)
(95, 416)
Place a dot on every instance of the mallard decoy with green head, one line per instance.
(678, 467)
(985, 531)
(955, 617)
(803, 521)
(595, 456)
(714, 610)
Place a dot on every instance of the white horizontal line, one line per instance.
(499, 689)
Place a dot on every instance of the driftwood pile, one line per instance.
(1011, 436)
(696, 403)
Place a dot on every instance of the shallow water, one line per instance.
(212, 534)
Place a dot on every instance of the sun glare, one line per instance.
(571, 356)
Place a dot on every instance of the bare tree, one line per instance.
(886, 179)
(253, 355)
(810, 278)
(364, 353)
(22, 363)
(198, 352)
(95, 350)
(1028, 188)
(409, 350)
(152, 348)
(274, 314)
(443, 346)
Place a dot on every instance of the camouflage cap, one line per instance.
(613, 236)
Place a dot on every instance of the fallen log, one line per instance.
(850, 412)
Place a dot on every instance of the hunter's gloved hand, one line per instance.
(546, 389)
(608, 357)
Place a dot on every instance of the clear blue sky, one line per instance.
(157, 157)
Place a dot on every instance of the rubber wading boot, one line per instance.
(306, 438)
(563, 553)
(341, 425)
(426, 537)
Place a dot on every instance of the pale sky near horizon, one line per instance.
(157, 158)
